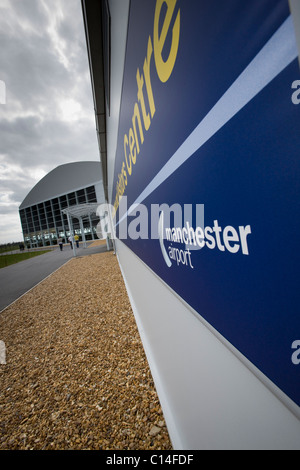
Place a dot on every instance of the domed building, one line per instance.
(45, 211)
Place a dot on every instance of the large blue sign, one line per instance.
(210, 120)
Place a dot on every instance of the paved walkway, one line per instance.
(17, 279)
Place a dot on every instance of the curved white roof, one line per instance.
(62, 180)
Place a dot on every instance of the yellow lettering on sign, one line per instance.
(140, 95)
(142, 119)
(146, 69)
(129, 167)
(165, 68)
(132, 146)
(137, 118)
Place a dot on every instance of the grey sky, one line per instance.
(48, 118)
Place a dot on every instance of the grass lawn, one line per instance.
(6, 260)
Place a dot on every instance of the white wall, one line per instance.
(210, 399)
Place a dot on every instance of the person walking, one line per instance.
(60, 242)
(77, 240)
(71, 241)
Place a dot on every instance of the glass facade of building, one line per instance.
(43, 223)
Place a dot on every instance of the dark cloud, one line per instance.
(48, 117)
(32, 141)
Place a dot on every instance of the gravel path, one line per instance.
(76, 375)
